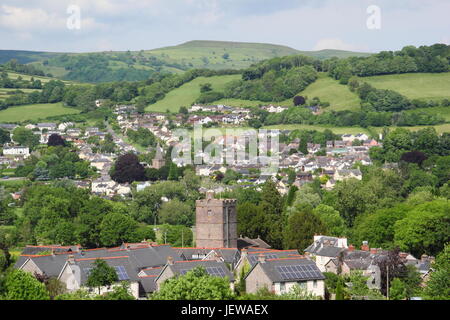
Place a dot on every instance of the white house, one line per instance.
(16, 151)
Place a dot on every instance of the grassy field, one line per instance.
(14, 75)
(325, 88)
(35, 112)
(188, 93)
(4, 92)
(336, 130)
(329, 90)
(442, 111)
(441, 128)
(434, 86)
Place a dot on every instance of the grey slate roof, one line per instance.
(182, 267)
(252, 257)
(325, 246)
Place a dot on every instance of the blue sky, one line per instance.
(147, 24)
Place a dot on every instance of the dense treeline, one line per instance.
(435, 58)
(29, 69)
(273, 85)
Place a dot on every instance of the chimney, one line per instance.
(53, 252)
(218, 257)
(71, 259)
(351, 248)
(262, 258)
(424, 258)
(365, 246)
(170, 260)
(373, 250)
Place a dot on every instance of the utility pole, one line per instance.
(387, 281)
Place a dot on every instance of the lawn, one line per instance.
(188, 93)
(434, 86)
(35, 112)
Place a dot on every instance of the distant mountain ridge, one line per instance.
(139, 65)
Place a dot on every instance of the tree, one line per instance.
(271, 200)
(378, 228)
(414, 157)
(424, 229)
(176, 212)
(358, 289)
(252, 221)
(128, 169)
(56, 140)
(340, 290)
(4, 136)
(205, 87)
(438, 286)
(332, 220)
(117, 228)
(120, 292)
(25, 137)
(101, 275)
(194, 285)
(21, 285)
(390, 264)
(397, 290)
(299, 101)
(302, 225)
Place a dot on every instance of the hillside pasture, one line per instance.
(187, 94)
(35, 112)
(427, 86)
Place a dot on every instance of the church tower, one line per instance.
(158, 162)
(216, 222)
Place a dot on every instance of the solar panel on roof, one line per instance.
(122, 273)
(216, 271)
(298, 272)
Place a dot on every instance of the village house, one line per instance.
(16, 151)
(280, 275)
(72, 264)
(46, 126)
(173, 268)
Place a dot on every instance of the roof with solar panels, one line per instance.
(252, 257)
(212, 267)
(290, 269)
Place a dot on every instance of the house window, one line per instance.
(302, 284)
(315, 283)
(282, 287)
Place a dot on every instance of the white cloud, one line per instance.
(37, 20)
(16, 18)
(338, 44)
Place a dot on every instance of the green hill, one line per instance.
(35, 112)
(139, 65)
(188, 93)
(433, 86)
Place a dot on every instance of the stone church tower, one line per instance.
(158, 162)
(216, 222)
